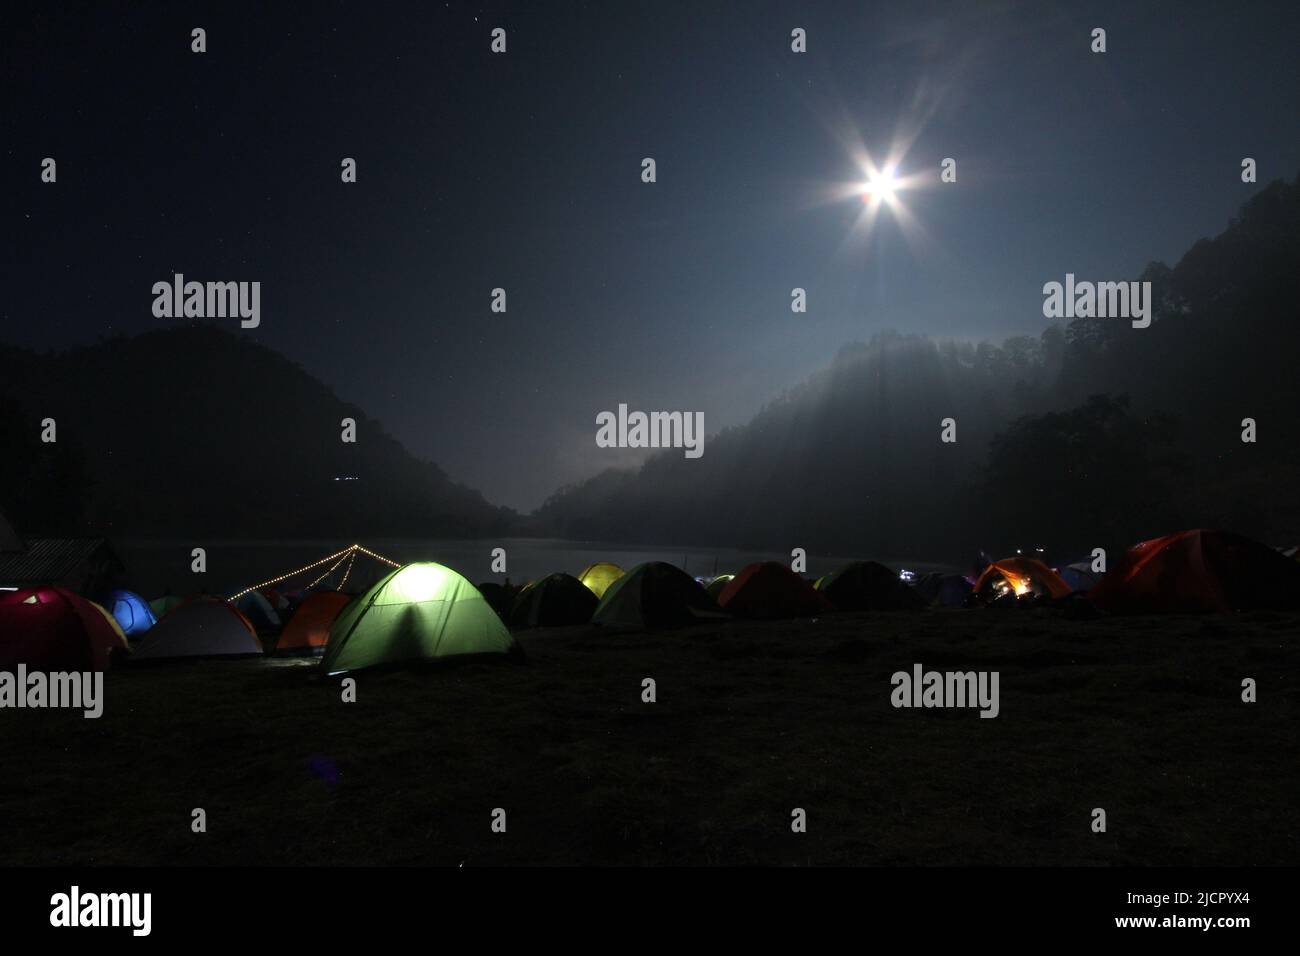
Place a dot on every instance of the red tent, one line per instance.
(768, 589)
(1199, 570)
(51, 629)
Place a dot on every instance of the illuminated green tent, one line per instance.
(418, 612)
(600, 576)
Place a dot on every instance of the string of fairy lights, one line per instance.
(332, 568)
(348, 554)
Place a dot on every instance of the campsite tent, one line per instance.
(1199, 570)
(289, 600)
(655, 594)
(1022, 577)
(133, 615)
(714, 587)
(52, 629)
(309, 628)
(868, 586)
(276, 600)
(204, 626)
(164, 605)
(1079, 576)
(768, 589)
(554, 601)
(264, 618)
(418, 612)
(499, 597)
(598, 577)
(943, 590)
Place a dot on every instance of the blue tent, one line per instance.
(259, 611)
(945, 590)
(1080, 576)
(131, 612)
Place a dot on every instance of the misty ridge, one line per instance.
(1091, 434)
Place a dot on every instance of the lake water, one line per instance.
(156, 567)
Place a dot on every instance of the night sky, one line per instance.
(523, 171)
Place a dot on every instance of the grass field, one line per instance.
(1142, 717)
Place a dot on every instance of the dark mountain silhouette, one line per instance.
(1094, 431)
(1092, 434)
(197, 431)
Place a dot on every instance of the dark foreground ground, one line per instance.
(1142, 717)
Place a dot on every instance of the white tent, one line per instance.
(204, 627)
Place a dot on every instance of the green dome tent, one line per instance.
(600, 576)
(418, 612)
(556, 600)
(655, 594)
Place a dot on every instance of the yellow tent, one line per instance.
(598, 577)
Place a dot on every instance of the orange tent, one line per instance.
(309, 628)
(1024, 576)
(1199, 570)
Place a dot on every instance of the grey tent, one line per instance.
(201, 627)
